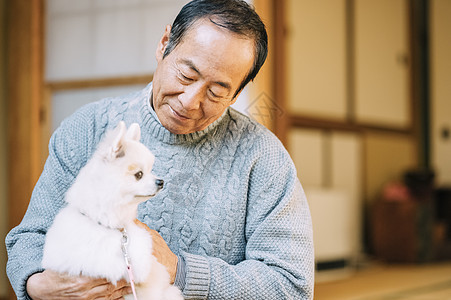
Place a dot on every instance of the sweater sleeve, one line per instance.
(24, 243)
(279, 259)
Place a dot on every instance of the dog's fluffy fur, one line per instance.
(85, 237)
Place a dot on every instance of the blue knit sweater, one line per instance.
(232, 205)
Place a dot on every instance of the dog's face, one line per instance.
(129, 165)
(136, 165)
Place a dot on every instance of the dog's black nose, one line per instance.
(159, 183)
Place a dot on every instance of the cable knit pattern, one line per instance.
(232, 205)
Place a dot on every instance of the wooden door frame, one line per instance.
(25, 36)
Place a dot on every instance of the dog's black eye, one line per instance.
(139, 175)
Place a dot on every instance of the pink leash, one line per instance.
(124, 244)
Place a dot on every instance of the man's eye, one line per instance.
(212, 94)
(215, 97)
(185, 78)
(139, 175)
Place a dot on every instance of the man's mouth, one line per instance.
(177, 115)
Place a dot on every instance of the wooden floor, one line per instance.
(384, 282)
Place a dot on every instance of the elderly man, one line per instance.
(232, 221)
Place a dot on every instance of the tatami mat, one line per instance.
(390, 282)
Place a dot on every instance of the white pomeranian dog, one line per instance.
(96, 235)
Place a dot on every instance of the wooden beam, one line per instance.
(98, 82)
(261, 91)
(329, 124)
(278, 47)
(24, 92)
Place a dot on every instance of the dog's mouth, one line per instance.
(159, 182)
(145, 196)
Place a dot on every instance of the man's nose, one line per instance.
(192, 97)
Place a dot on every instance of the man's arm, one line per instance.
(279, 262)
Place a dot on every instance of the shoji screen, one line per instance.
(382, 63)
(95, 40)
(316, 56)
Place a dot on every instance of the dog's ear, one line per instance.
(117, 149)
(133, 132)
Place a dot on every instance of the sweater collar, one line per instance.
(154, 126)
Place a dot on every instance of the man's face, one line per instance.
(196, 82)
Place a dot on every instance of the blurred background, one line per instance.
(359, 91)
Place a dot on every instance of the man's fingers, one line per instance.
(120, 293)
(110, 291)
(122, 283)
(52, 285)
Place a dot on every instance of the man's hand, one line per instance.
(162, 252)
(50, 285)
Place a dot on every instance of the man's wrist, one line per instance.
(180, 275)
(32, 285)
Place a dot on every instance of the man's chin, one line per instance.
(177, 128)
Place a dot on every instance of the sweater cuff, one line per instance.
(197, 280)
(180, 275)
(22, 292)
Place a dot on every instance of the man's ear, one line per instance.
(162, 44)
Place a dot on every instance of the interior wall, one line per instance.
(440, 45)
(3, 143)
(348, 95)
